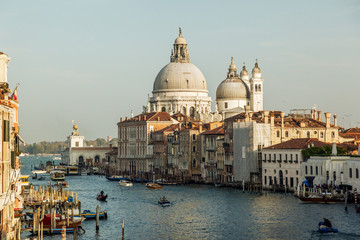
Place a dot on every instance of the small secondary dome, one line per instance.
(232, 87)
(256, 69)
(244, 72)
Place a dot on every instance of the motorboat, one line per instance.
(57, 175)
(116, 178)
(92, 215)
(164, 202)
(153, 186)
(125, 183)
(38, 172)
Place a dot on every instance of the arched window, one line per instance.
(194, 148)
(316, 170)
(192, 112)
(256, 87)
(265, 180)
(306, 172)
(278, 134)
(286, 134)
(308, 134)
(194, 162)
(311, 170)
(332, 134)
(357, 173)
(259, 88)
(184, 110)
(163, 109)
(321, 134)
(97, 158)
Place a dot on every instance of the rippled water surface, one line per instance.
(202, 212)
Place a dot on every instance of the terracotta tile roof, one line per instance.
(171, 128)
(348, 146)
(355, 130)
(349, 135)
(299, 143)
(288, 121)
(183, 118)
(216, 131)
(153, 116)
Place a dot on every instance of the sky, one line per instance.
(94, 61)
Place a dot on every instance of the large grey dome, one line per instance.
(180, 77)
(232, 88)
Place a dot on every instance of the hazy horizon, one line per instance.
(95, 61)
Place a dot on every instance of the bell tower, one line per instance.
(257, 91)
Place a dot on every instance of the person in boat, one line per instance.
(327, 223)
(102, 193)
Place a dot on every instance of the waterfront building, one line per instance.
(298, 124)
(281, 163)
(333, 170)
(76, 153)
(212, 165)
(352, 134)
(10, 184)
(180, 86)
(135, 154)
(236, 92)
(111, 166)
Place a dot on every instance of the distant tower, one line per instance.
(256, 88)
(75, 140)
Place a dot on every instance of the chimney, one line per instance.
(282, 119)
(335, 120)
(319, 116)
(121, 119)
(272, 120)
(315, 113)
(266, 116)
(327, 116)
(126, 118)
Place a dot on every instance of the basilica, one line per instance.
(180, 87)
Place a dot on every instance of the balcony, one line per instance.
(211, 148)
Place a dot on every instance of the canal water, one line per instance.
(200, 212)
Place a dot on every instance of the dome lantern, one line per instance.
(256, 72)
(232, 69)
(179, 53)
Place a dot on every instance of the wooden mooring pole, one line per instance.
(123, 230)
(97, 218)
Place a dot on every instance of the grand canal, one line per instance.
(201, 212)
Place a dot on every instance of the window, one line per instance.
(311, 170)
(274, 171)
(334, 175)
(76, 144)
(259, 87)
(226, 105)
(316, 170)
(286, 158)
(308, 134)
(286, 134)
(332, 134)
(194, 163)
(357, 173)
(264, 180)
(194, 148)
(269, 157)
(280, 156)
(264, 157)
(274, 157)
(296, 157)
(350, 172)
(270, 180)
(163, 109)
(297, 172)
(327, 175)
(291, 158)
(286, 172)
(194, 137)
(321, 134)
(265, 171)
(306, 172)
(278, 134)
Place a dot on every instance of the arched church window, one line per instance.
(308, 134)
(259, 87)
(256, 87)
(194, 163)
(332, 134)
(192, 112)
(184, 110)
(163, 109)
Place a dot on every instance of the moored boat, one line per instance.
(324, 198)
(92, 215)
(125, 183)
(116, 178)
(60, 222)
(153, 186)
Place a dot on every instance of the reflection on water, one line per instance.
(202, 212)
